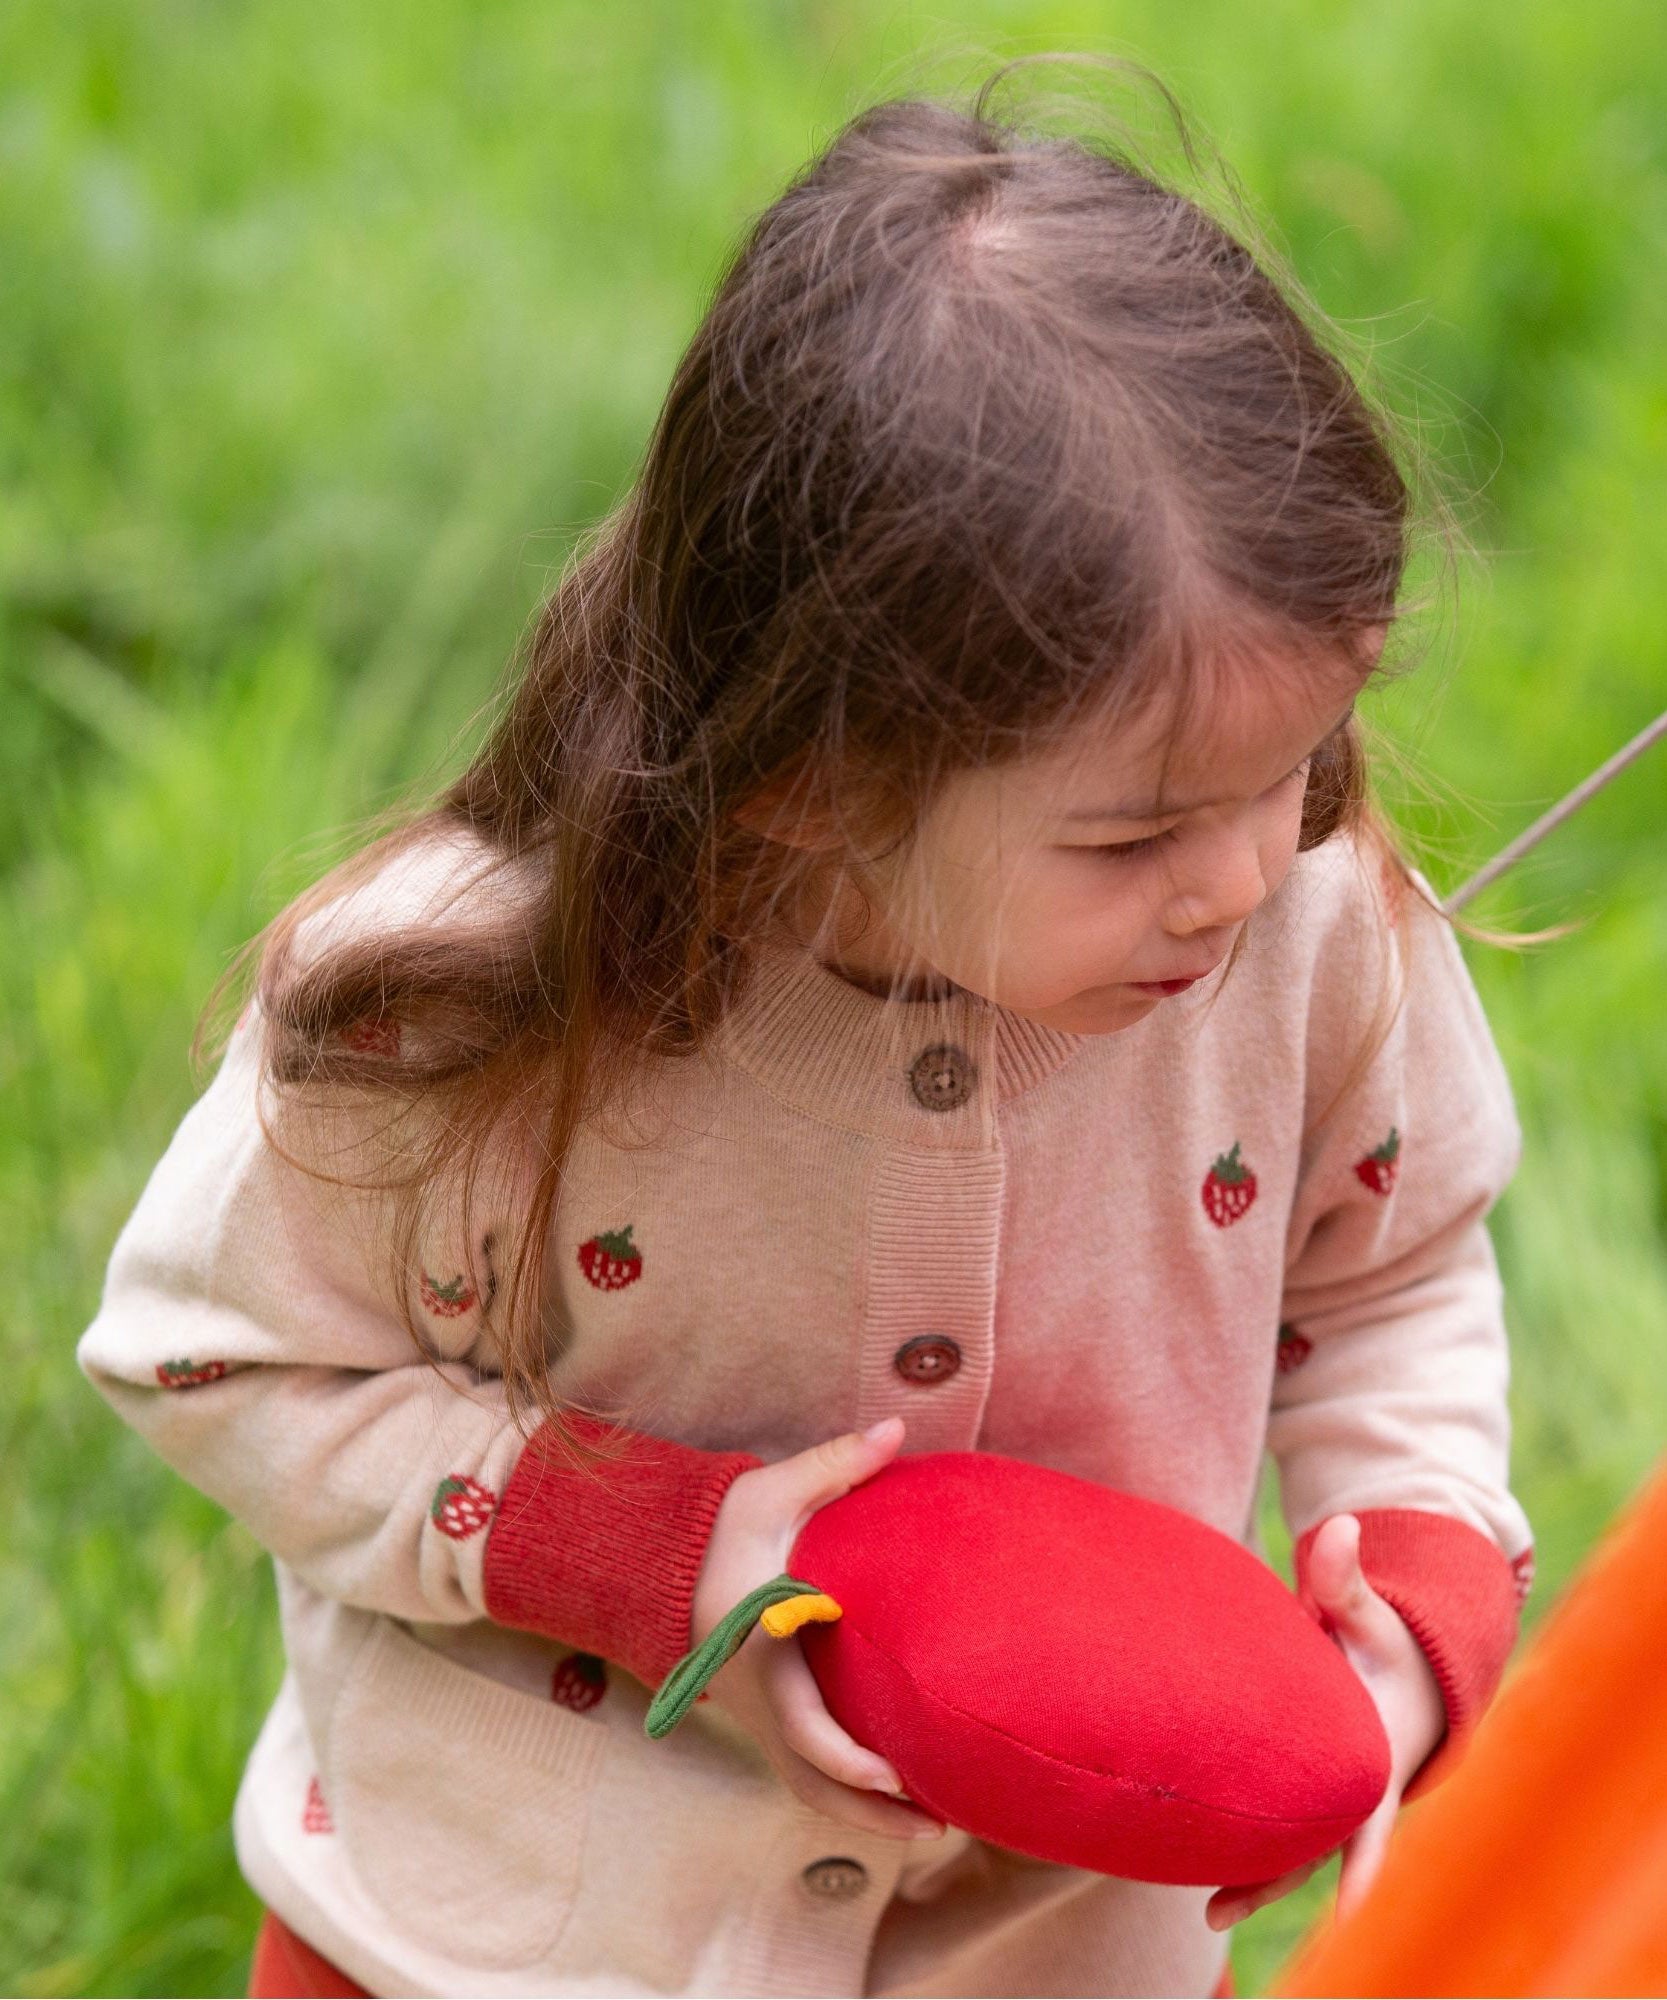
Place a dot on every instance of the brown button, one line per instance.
(929, 1357)
(836, 1878)
(942, 1077)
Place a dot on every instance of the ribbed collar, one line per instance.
(845, 1055)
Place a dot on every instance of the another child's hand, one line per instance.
(1397, 1674)
(766, 1685)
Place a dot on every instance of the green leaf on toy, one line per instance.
(681, 1688)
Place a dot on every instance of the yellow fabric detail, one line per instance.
(781, 1621)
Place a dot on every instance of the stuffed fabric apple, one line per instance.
(1069, 1671)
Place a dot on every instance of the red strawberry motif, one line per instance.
(1522, 1570)
(374, 1035)
(1377, 1170)
(187, 1374)
(315, 1814)
(580, 1681)
(611, 1260)
(450, 1300)
(1229, 1189)
(1293, 1350)
(461, 1506)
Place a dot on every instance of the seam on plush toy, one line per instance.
(855, 1631)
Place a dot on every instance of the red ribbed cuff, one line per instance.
(606, 1559)
(1455, 1591)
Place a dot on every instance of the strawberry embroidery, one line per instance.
(1522, 1571)
(611, 1260)
(1377, 1170)
(187, 1374)
(449, 1300)
(375, 1035)
(579, 1681)
(1294, 1348)
(315, 1814)
(461, 1506)
(1229, 1189)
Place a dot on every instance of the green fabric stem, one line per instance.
(681, 1688)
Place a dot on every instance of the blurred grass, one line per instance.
(319, 339)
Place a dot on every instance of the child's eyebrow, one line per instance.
(1152, 810)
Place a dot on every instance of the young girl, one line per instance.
(913, 969)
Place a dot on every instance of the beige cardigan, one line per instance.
(1133, 1257)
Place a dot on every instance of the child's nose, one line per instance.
(1225, 888)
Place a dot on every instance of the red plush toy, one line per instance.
(1070, 1672)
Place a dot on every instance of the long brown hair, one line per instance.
(984, 428)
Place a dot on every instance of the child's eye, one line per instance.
(1127, 850)
(1132, 850)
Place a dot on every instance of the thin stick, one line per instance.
(1556, 816)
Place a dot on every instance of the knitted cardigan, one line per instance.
(1146, 1258)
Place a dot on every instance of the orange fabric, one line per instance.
(1226, 1990)
(1540, 1866)
(286, 1967)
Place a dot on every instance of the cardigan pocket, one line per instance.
(461, 1804)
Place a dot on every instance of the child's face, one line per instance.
(1057, 891)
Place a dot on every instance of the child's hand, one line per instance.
(1397, 1675)
(766, 1685)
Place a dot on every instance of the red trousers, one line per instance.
(287, 1968)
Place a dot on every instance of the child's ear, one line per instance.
(1372, 642)
(779, 810)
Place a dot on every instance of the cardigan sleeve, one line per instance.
(248, 1332)
(1389, 1396)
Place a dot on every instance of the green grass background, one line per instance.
(323, 330)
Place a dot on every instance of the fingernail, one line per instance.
(889, 1781)
(873, 1431)
(926, 1832)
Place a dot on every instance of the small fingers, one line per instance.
(1341, 1589)
(1230, 1906)
(867, 1812)
(811, 1732)
(1362, 1858)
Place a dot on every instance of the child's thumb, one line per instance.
(837, 1464)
